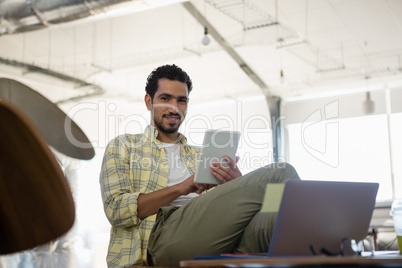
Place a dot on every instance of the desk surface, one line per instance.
(319, 260)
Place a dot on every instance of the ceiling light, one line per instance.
(205, 40)
(368, 104)
(282, 77)
(282, 80)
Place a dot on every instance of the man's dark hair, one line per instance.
(171, 72)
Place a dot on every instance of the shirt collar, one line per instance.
(151, 133)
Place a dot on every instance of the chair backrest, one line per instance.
(36, 203)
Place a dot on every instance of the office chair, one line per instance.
(36, 204)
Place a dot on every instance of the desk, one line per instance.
(394, 260)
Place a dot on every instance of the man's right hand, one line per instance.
(189, 186)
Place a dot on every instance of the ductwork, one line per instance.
(27, 15)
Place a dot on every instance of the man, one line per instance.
(157, 212)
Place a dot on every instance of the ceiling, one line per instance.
(284, 48)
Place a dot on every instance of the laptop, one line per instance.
(314, 217)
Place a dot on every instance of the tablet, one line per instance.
(216, 144)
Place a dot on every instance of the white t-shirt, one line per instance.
(178, 172)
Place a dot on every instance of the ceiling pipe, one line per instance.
(36, 69)
(18, 16)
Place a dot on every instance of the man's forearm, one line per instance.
(148, 204)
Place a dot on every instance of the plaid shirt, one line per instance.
(134, 164)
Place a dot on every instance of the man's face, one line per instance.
(169, 105)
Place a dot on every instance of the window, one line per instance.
(357, 151)
(332, 139)
(396, 152)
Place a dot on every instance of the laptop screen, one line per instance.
(316, 216)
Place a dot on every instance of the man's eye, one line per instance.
(164, 98)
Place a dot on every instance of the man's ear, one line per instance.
(148, 101)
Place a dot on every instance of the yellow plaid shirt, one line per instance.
(134, 164)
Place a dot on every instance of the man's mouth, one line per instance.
(172, 118)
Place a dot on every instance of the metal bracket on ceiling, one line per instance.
(37, 13)
(91, 10)
(244, 12)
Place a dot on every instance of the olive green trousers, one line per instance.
(226, 219)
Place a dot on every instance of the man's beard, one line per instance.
(172, 129)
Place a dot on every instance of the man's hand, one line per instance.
(189, 186)
(226, 170)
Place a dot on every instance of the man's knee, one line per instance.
(282, 171)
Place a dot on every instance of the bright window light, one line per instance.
(350, 149)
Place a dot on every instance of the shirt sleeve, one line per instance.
(120, 203)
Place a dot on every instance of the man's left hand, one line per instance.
(226, 170)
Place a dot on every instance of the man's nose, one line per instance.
(174, 105)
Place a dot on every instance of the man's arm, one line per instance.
(149, 203)
(119, 202)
